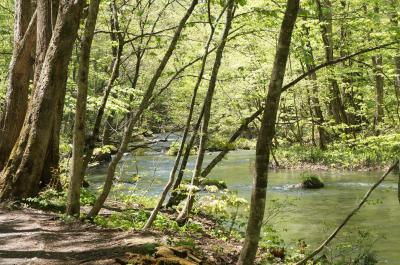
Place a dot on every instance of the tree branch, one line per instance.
(332, 62)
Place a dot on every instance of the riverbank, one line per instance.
(367, 153)
(362, 154)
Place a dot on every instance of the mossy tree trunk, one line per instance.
(20, 177)
(47, 14)
(21, 66)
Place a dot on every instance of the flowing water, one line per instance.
(315, 212)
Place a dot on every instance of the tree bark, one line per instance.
(314, 99)
(21, 176)
(51, 168)
(43, 32)
(183, 215)
(46, 16)
(78, 138)
(134, 118)
(267, 133)
(13, 114)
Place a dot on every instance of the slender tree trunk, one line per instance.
(397, 82)
(315, 103)
(379, 82)
(133, 119)
(185, 133)
(336, 104)
(21, 176)
(116, 36)
(207, 112)
(395, 22)
(174, 198)
(78, 138)
(316, 106)
(266, 135)
(13, 114)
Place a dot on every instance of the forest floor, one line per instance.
(30, 236)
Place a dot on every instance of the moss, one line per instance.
(173, 149)
(104, 153)
(310, 181)
(221, 185)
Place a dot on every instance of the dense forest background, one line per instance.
(314, 84)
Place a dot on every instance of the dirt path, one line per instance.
(30, 236)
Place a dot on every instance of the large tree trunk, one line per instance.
(46, 15)
(134, 118)
(13, 114)
(78, 140)
(51, 168)
(207, 113)
(21, 175)
(43, 32)
(267, 133)
(379, 82)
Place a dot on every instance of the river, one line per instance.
(315, 212)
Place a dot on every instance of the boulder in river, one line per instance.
(309, 181)
(221, 185)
